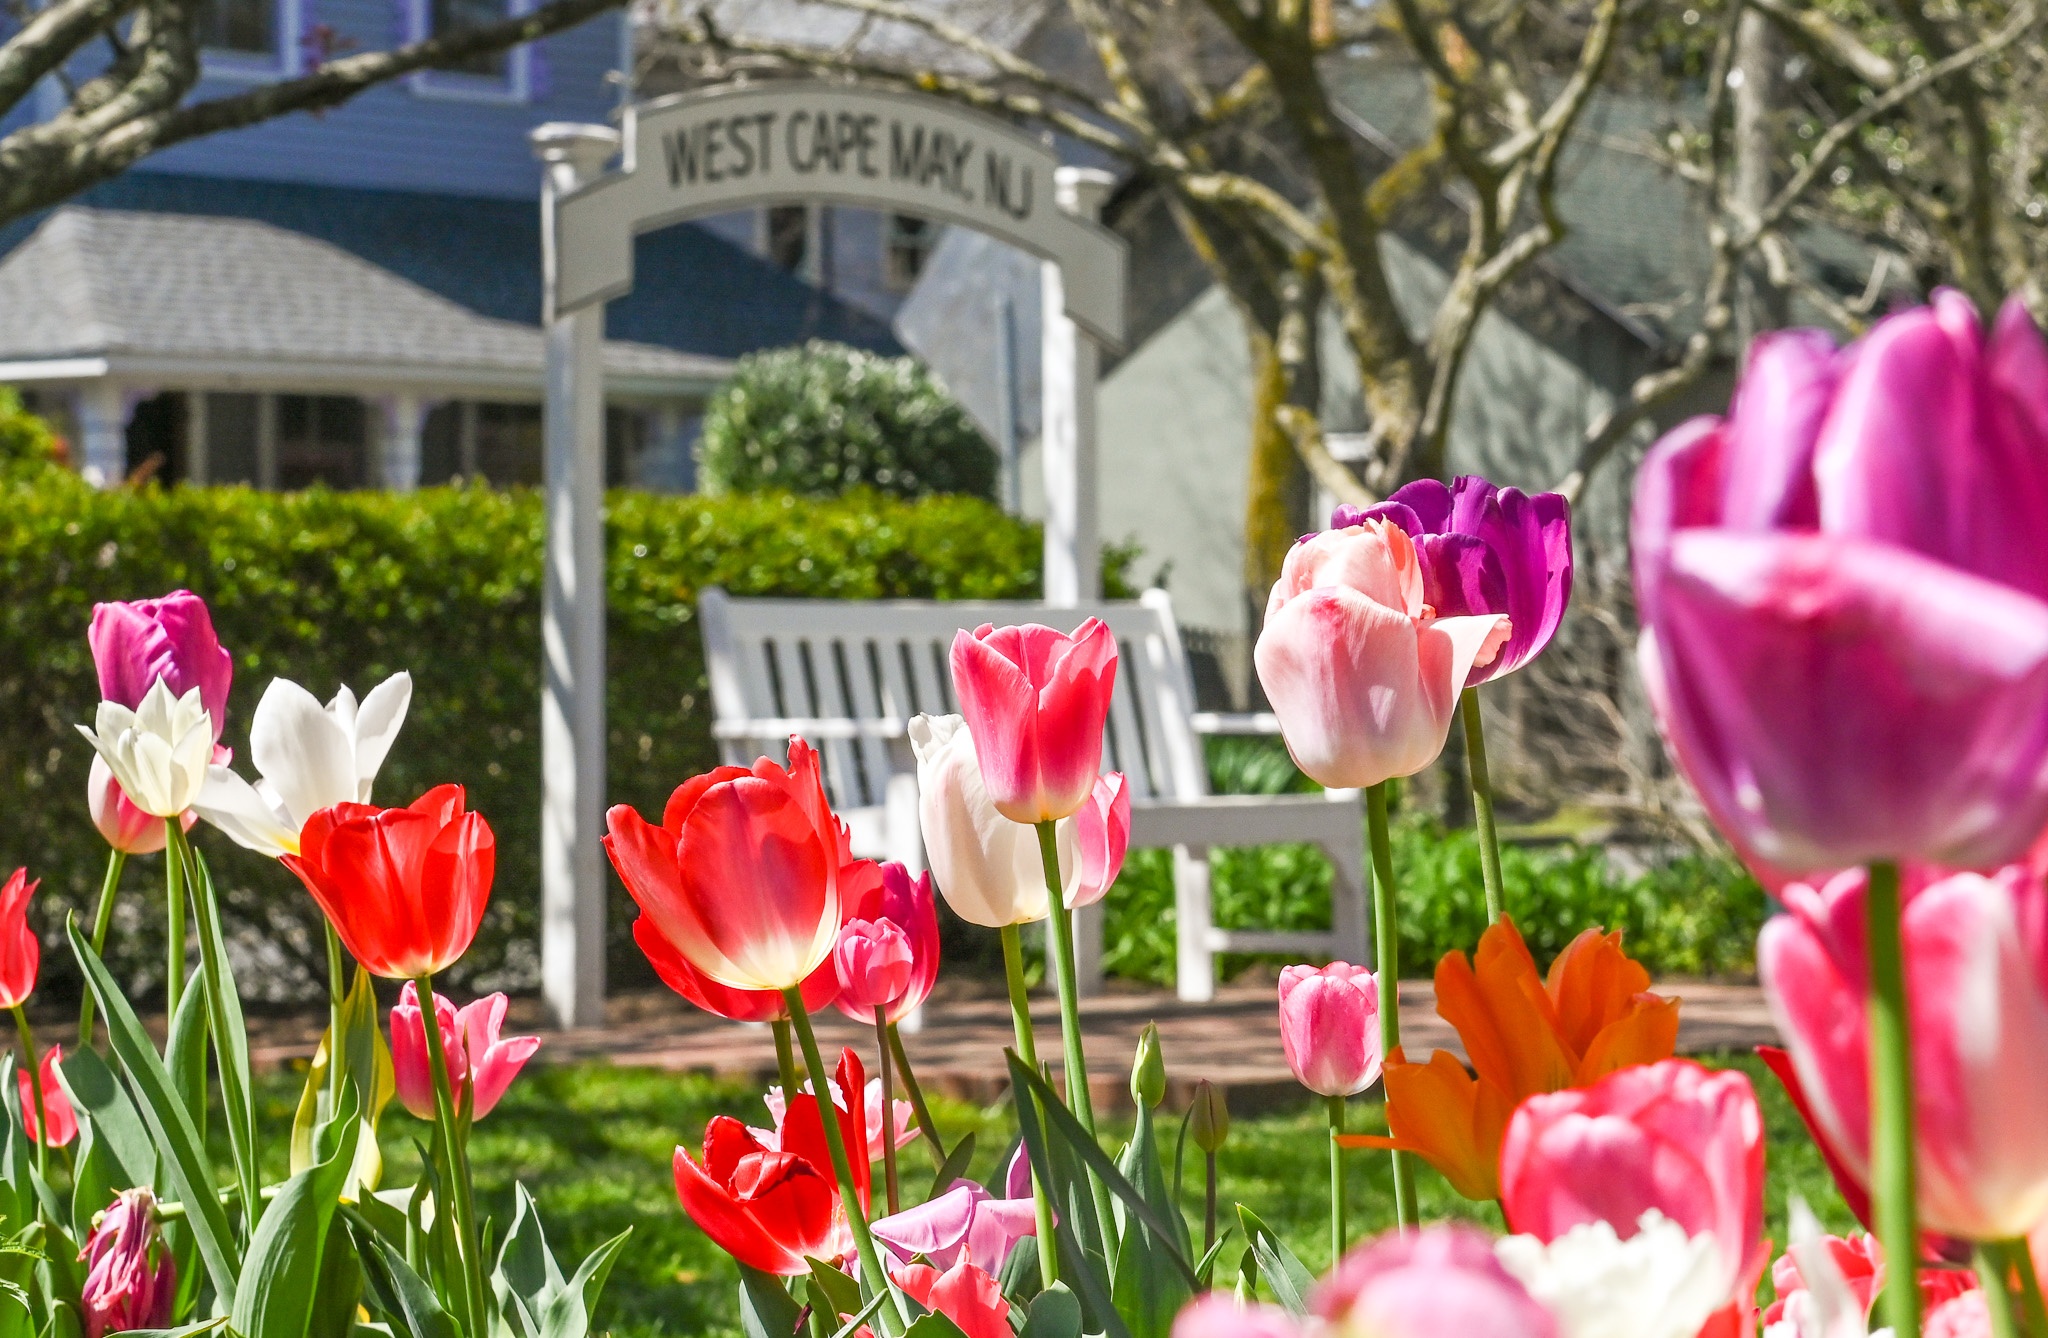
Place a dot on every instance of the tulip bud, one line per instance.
(1209, 1117)
(1148, 1070)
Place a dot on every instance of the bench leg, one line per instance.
(1195, 972)
(1351, 898)
(1088, 951)
(905, 841)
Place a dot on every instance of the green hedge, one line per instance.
(348, 587)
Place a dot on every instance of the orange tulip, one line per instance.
(1525, 1033)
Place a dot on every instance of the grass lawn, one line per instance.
(593, 1143)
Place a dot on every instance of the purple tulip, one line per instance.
(1486, 550)
(1844, 593)
(136, 642)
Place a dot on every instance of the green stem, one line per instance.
(337, 997)
(1060, 922)
(1336, 1180)
(2032, 1309)
(102, 918)
(35, 1085)
(835, 1143)
(888, 1110)
(1208, 1202)
(1892, 1179)
(1990, 1259)
(916, 1096)
(213, 973)
(1482, 802)
(785, 1061)
(1027, 1050)
(459, 1183)
(174, 918)
(1387, 968)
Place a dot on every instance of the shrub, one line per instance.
(824, 418)
(27, 445)
(329, 588)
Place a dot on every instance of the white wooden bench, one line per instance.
(849, 675)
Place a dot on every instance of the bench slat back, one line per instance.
(887, 660)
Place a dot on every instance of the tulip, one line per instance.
(1525, 1034)
(63, 1119)
(130, 1281)
(126, 828)
(872, 960)
(1102, 833)
(900, 1127)
(1221, 1315)
(1656, 1282)
(1485, 550)
(1856, 1265)
(1036, 700)
(159, 752)
(1845, 611)
(964, 1293)
(1329, 1027)
(139, 643)
(966, 1224)
(820, 988)
(470, 1040)
(21, 951)
(770, 1207)
(1429, 1283)
(742, 875)
(310, 757)
(1667, 1150)
(896, 898)
(1976, 949)
(1363, 674)
(405, 888)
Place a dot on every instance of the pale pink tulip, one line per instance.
(1036, 701)
(1221, 1315)
(1976, 952)
(1329, 1027)
(126, 828)
(1102, 834)
(964, 1224)
(474, 1051)
(1669, 1140)
(1431, 1283)
(873, 962)
(1362, 673)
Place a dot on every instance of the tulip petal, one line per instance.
(378, 721)
(238, 809)
(735, 1229)
(307, 757)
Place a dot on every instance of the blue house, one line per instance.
(352, 298)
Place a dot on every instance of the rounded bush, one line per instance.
(824, 418)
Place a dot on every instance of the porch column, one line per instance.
(404, 417)
(1073, 540)
(572, 613)
(102, 416)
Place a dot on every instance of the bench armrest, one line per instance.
(810, 727)
(1225, 722)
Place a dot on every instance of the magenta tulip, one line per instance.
(1669, 1139)
(1844, 598)
(1485, 550)
(1329, 1027)
(136, 642)
(890, 896)
(1361, 671)
(1036, 700)
(475, 1052)
(1102, 835)
(1977, 954)
(130, 1281)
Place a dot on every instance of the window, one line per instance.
(468, 439)
(322, 439)
(907, 242)
(245, 27)
(447, 16)
(500, 76)
(787, 236)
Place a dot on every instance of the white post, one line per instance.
(404, 416)
(1073, 541)
(572, 614)
(103, 434)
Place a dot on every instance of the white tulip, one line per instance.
(1659, 1283)
(988, 868)
(158, 752)
(310, 757)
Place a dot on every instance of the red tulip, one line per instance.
(767, 1207)
(820, 988)
(1859, 1262)
(964, 1293)
(405, 888)
(1669, 1139)
(1036, 700)
(893, 897)
(21, 952)
(63, 1119)
(743, 875)
(471, 1043)
(1329, 1027)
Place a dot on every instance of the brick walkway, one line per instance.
(1234, 1041)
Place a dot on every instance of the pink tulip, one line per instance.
(130, 1281)
(1329, 1027)
(1102, 834)
(1976, 952)
(1670, 1138)
(1362, 673)
(1036, 701)
(902, 1118)
(1430, 1283)
(63, 1119)
(892, 897)
(966, 1223)
(1221, 1315)
(1844, 602)
(872, 959)
(136, 642)
(126, 828)
(473, 1049)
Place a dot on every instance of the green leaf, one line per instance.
(170, 1123)
(185, 1057)
(955, 1166)
(101, 1104)
(934, 1325)
(861, 1316)
(1082, 1270)
(395, 1288)
(1054, 1313)
(274, 1298)
(1146, 1292)
(767, 1310)
(529, 1282)
(186, 1331)
(842, 1293)
(1285, 1276)
(230, 1035)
